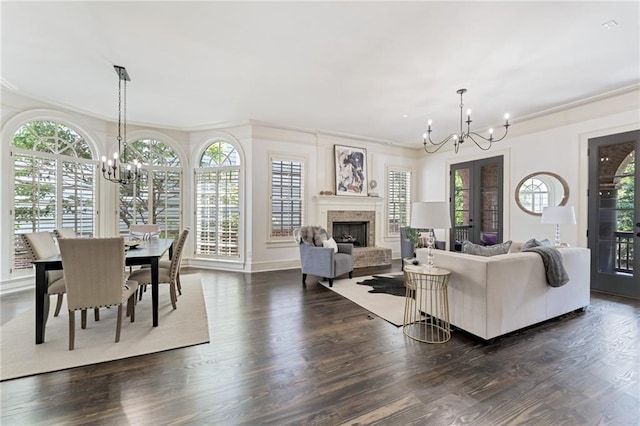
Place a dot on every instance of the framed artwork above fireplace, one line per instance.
(351, 170)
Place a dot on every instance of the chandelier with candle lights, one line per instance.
(117, 169)
(484, 143)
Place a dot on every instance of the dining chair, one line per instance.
(144, 231)
(41, 245)
(94, 274)
(165, 275)
(65, 233)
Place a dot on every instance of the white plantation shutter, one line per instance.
(54, 184)
(156, 196)
(287, 197)
(217, 200)
(78, 197)
(217, 212)
(398, 200)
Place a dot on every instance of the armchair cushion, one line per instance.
(330, 243)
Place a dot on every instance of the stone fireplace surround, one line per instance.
(354, 216)
(337, 208)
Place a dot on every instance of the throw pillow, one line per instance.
(478, 250)
(535, 243)
(310, 235)
(319, 237)
(546, 243)
(489, 239)
(330, 243)
(516, 247)
(422, 242)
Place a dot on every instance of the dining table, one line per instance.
(148, 252)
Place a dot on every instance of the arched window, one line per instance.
(217, 201)
(54, 183)
(534, 195)
(156, 197)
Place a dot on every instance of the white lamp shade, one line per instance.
(559, 215)
(430, 215)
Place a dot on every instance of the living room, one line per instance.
(550, 137)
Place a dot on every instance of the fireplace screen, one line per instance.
(351, 232)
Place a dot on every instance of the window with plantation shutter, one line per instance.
(156, 196)
(54, 184)
(287, 197)
(398, 200)
(217, 201)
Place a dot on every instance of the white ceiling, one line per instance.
(350, 67)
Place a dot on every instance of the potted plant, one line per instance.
(412, 234)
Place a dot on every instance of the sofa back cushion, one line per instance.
(478, 250)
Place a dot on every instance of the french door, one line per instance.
(476, 201)
(614, 213)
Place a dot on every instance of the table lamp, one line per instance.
(559, 215)
(430, 215)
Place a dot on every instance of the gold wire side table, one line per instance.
(426, 308)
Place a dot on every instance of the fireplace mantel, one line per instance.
(327, 203)
(348, 202)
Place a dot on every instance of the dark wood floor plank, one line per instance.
(281, 353)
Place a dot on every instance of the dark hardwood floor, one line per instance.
(284, 354)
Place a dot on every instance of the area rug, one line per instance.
(386, 306)
(389, 284)
(185, 326)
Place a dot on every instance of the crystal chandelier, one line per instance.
(117, 170)
(458, 138)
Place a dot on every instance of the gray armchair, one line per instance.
(324, 262)
(407, 248)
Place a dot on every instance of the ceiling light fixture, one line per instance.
(610, 24)
(118, 170)
(459, 138)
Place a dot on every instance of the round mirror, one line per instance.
(539, 190)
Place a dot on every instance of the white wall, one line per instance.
(556, 142)
(315, 148)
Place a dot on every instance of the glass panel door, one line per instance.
(476, 202)
(614, 214)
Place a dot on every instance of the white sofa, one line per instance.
(492, 296)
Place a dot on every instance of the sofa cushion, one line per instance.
(478, 250)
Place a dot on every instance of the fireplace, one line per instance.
(358, 224)
(355, 226)
(351, 232)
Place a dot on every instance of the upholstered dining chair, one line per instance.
(41, 245)
(65, 233)
(144, 231)
(94, 274)
(165, 275)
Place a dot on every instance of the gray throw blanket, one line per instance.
(556, 273)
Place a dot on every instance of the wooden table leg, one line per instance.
(154, 288)
(42, 302)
